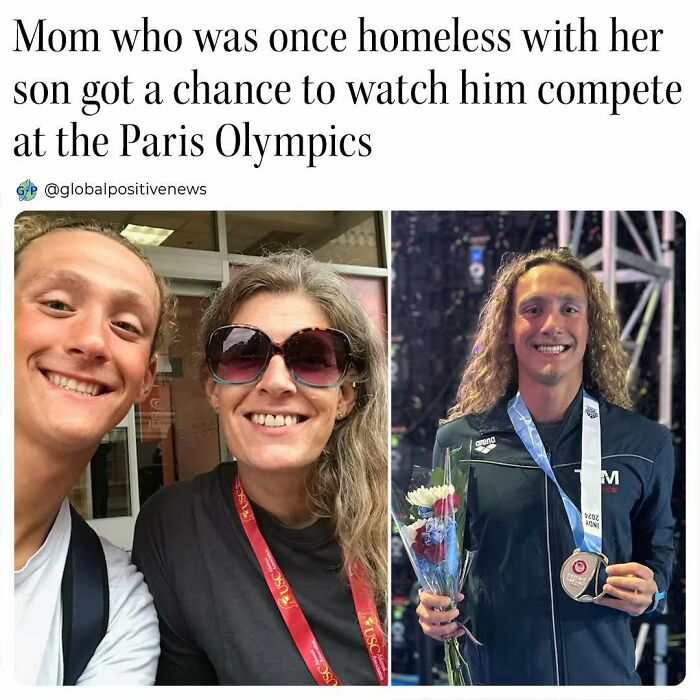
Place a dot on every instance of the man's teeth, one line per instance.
(74, 385)
(551, 349)
(271, 421)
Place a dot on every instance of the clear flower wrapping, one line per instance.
(431, 518)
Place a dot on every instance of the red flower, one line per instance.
(434, 553)
(418, 544)
(447, 505)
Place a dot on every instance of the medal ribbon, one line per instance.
(587, 531)
(291, 611)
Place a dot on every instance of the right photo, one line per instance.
(538, 448)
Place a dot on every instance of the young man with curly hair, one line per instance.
(569, 501)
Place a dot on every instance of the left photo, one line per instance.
(201, 453)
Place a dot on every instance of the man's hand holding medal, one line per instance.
(629, 587)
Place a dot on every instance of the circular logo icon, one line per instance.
(580, 567)
(477, 270)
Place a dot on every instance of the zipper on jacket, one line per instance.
(549, 565)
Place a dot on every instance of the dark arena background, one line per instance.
(443, 265)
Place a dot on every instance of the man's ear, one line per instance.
(148, 378)
(346, 400)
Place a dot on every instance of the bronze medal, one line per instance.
(580, 576)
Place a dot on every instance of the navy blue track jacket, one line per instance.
(533, 633)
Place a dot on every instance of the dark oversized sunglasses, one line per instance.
(316, 357)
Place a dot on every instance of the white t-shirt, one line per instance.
(128, 653)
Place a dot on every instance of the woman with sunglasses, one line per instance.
(271, 569)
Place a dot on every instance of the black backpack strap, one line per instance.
(84, 598)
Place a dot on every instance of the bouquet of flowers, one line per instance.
(431, 518)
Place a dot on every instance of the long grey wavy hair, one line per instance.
(349, 483)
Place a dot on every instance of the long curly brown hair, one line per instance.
(493, 368)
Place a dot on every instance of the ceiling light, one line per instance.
(146, 235)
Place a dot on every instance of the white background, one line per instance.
(423, 157)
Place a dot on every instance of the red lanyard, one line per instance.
(290, 609)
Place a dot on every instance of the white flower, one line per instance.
(426, 497)
(408, 532)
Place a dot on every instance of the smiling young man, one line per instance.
(88, 313)
(569, 498)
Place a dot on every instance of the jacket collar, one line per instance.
(496, 419)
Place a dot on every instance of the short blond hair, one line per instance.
(30, 227)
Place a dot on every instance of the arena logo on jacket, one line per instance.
(486, 445)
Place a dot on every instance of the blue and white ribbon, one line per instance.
(587, 530)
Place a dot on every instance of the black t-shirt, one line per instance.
(218, 621)
(549, 433)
